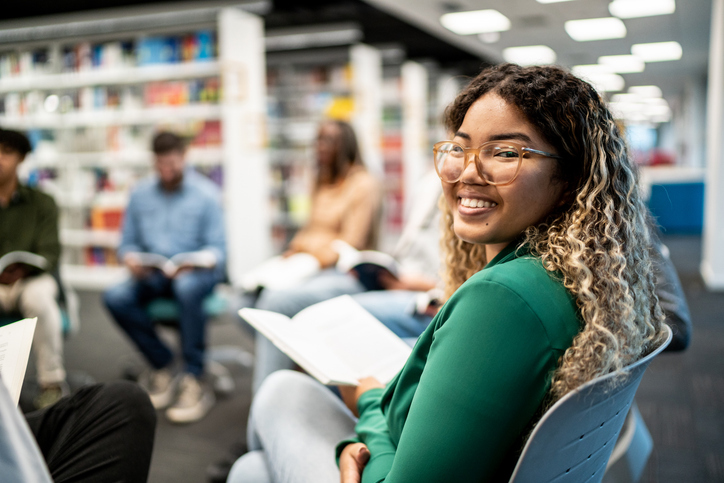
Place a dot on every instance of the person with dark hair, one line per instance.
(103, 433)
(29, 223)
(346, 202)
(177, 211)
(549, 284)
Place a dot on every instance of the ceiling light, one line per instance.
(646, 91)
(605, 82)
(641, 8)
(595, 29)
(657, 51)
(586, 70)
(625, 98)
(552, 1)
(489, 37)
(475, 22)
(530, 55)
(622, 64)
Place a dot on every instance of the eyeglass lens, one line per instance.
(497, 163)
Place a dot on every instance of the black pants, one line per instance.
(103, 433)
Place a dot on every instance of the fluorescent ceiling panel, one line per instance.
(595, 29)
(530, 55)
(552, 1)
(622, 64)
(475, 22)
(605, 82)
(657, 51)
(641, 8)
(585, 70)
(646, 91)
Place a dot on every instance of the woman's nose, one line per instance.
(470, 173)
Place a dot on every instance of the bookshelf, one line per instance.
(91, 107)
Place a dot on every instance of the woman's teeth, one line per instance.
(473, 203)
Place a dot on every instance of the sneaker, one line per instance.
(161, 386)
(195, 399)
(51, 394)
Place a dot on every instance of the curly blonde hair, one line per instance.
(598, 241)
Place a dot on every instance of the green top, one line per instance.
(462, 406)
(30, 224)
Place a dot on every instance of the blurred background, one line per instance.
(247, 84)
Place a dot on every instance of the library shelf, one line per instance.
(110, 76)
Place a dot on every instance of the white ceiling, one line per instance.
(534, 23)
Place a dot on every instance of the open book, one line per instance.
(366, 264)
(336, 341)
(280, 272)
(26, 258)
(169, 266)
(15, 342)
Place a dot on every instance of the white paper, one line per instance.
(15, 342)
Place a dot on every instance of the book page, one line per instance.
(15, 342)
(19, 256)
(360, 341)
(300, 345)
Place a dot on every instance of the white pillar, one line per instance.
(367, 93)
(246, 170)
(712, 264)
(415, 159)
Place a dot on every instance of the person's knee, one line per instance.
(132, 401)
(37, 297)
(278, 385)
(116, 298)
(190, 287)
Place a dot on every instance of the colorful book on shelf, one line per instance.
(170, 266)
(25, 258)
(336, 341)
(15, 341)
(367, 265)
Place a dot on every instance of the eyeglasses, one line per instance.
(497, 162)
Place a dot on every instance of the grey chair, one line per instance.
(631, 453)
(574, 439)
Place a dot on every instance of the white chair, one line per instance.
(574, 439)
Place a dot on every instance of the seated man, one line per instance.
(29, 223)
(175, 212)
(103, 433)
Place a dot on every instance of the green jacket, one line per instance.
(463, 404)
(30, 223)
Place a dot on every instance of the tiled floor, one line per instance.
(681, 396)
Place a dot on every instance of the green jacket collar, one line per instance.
(511, 252)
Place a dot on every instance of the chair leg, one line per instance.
(631, 453)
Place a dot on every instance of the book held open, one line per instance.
(15, 342)
(336, 341)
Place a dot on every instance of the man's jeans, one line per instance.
(127, 303)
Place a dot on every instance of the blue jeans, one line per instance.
(127, 303)
(323, 286)
(294, 426)
(395, 309)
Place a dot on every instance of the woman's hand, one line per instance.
(352, 461)
(351, 394)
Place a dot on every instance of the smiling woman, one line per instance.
(540, 199)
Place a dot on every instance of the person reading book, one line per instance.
(177, 211)
(346, 202)
(550, 285)
(30, 250)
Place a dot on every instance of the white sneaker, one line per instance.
(194, 401)
(161, 386)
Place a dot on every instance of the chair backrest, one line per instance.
(574, 439)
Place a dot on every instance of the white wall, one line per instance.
(712, 264)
